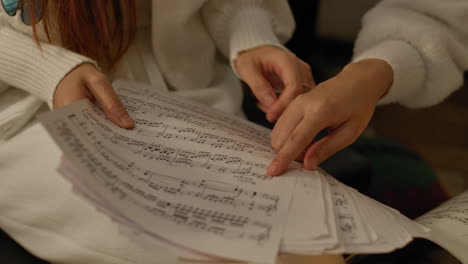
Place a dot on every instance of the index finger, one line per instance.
(105, 96)
(299, 139)
(292, 80)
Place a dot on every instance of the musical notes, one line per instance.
(197, 116)
(349, 222)
(449, 224)
(219, 163)
(179, 171)
(194, 180)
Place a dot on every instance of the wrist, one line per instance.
(375, 71)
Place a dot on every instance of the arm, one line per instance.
(240, 25)
(424, 41)
(55, 75)
(36, 70)
(411, 52)
(249, 33)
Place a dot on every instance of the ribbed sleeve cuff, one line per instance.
(37, 70)
(251, 27)
(409, 73)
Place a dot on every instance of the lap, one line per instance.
(39, 210)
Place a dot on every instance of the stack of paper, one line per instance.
(193, 180)
(349, 222)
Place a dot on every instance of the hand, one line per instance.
(268, 69)
(85, 81)
(344, 105)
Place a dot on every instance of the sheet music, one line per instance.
(193, 180)
(307, 218)
(132, 230)
(352, 228)
(392, 229)
(187, 173)
(329, 239)
(449, 225)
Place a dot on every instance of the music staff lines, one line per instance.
(241, 169)
(158, 129)
(224, 192)
(218, 223)
(192, 116)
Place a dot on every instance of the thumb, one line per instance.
(106, 98)
(261, 88)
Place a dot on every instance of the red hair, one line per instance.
(99, 29)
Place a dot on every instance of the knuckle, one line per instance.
(110, 108)
(96, 78)
(281, 157)
(275, 140)
(298, 103)
(298, 138)
(321, 108)
(301, 98)
(116, 113)
(275, 144)
(114, 108)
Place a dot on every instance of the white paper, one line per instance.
(192, 180)
(307, 217)
(449, 226)
(174, 177)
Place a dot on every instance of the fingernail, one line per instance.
(268, 99)
(272, 169)
(270, 117)
(126, 121)
(313, 163)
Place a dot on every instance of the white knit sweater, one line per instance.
(182, 46)
(425, 42)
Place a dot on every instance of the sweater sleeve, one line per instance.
(36, 70)
(424, 41)
(240, 25)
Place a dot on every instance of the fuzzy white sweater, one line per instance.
(425, 42)
(182, 46)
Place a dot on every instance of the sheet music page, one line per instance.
(307, 218)
(449, 226)
(310, 245)
(186, 173)
(352, 228)
(126, 226)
